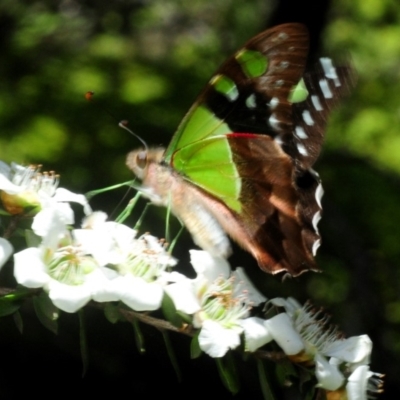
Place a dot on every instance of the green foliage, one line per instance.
(263, 379)
(46, 311)
(227, 372)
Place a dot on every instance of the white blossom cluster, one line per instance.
(106, 261)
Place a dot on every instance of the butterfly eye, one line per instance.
(141, 159)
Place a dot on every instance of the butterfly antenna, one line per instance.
(124, 125)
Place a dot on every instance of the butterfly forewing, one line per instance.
(249, 92)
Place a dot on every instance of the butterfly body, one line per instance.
(240, 162)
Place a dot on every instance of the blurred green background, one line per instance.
(146, 60)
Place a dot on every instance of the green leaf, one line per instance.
(18, 321)
(46, 312)
(306, 380)
(262, 377)
(8, 305)
(138, 336)
(195, 350)
(227, 372)
(111, 312)
(310, 395)
(83, 342)
(170, 313)
(172, 356)
(285, 372)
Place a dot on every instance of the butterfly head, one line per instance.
(140, 159)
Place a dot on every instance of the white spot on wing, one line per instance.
(284, 64)
(326, 91)
(274, 102)
(274, 122)
(300, 133)
(315, 220)
(283, 35)
(316, 102)
(278, 140)
(329, 70)
(302, 150)
(315, 246)
(307, 118)
(318, 195)
(251, 101)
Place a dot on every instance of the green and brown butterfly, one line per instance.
(240, 163)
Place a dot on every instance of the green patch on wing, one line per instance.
(226, 86)
(200, 123)
(200, 151)
(253, 63)
(208, 164)
(298, 93)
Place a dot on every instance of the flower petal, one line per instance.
(283, 332)
(215, 340)
(353, 349)
(102, 288)
(6, 250)
(328, 375)
(141, 295)
(9, 187)
(52, 221)
(357, 383)
(183, 296)
(67, 297)
(64, 195)
(209, 266)
(255, 332)
(290, 304)
(29, 269)
(243, 283)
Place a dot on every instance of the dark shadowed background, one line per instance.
(146, 61)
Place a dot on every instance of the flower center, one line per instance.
(145, 262)
(32, 179)
(220, 304)
(70, 266)
(313, 327)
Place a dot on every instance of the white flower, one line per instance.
(6, 250)
(136, 267)
(15, 179)
(27, 189)
(303, 335)
(70, 276)
(219, 302)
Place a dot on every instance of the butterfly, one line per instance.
(240, 163)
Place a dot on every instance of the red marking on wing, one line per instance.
(242, 134)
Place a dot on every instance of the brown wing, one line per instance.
(277, 213)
